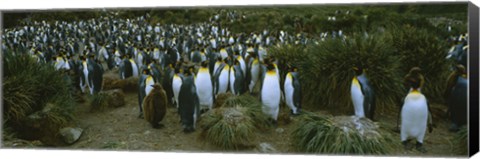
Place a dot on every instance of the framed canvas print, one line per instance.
(307, 79)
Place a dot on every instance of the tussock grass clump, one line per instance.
(339, 135)
(326, 70)
(417, 47)
(107, 99)
(28, 86)
(233, 126)
(461, 140)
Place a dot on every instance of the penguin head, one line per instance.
(146, 71)
(204, 64)
(358, 69)
(270, 66)
(414, 83)
(460, 69)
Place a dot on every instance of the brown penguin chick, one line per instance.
(155, 106)
(413, 75)
(452, 79)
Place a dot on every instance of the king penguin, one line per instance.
(413, 75)
(362, 94)
(176, 84)
(145, 83)
(456, 97)
(204, 84)
(415, 116)
(221, 78)
(254, 71)
(270, 95)
(237, 84)
(189, 104)
(293, 91)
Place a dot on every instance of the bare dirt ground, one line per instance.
(120, 129)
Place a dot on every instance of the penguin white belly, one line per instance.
(223, 81)
(232, 80)
(357, 98)
(243, 66)
(85, 73)
(271, 96)
(224, 54)
(176, 84)
(288, 88)
(148, 85)
(204, 89)
(156, 55)
(217, 64)
(414, 117)
(139, 60)
(134, 68)
(254, 75)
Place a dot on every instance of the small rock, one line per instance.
(146, 132)
(265, 148)
(279, 130)
(71, 135)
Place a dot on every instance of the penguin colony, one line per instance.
(188, 66)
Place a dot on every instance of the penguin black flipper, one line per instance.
(239, 80)
(430, 125)
(263, 71)
(297, 90)
(97, 77)
(128, 70)
(369, 97)
(141, 91)
(216, 77)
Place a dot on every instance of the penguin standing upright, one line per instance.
(83, 74)
(270, 95)
(204, 84)
(254, 71)
(236, 78)
(167, 82)
(293, 91)
(189, 104)
(155, 105)
(456, 97)
(415, 116)
(413, 75)
(362, 94)
(176, 84)
(221, 78)
(134, 66)
(145, 83)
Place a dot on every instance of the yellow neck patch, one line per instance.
(289, 75)
(355, 81)
(149, 79)
(203, 69)
(415, 91)
(271, 73)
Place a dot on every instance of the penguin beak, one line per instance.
(355, 68)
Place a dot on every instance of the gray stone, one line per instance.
(266, 148)
(71, 135)
(279, 130)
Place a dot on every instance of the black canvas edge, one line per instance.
(473, 134)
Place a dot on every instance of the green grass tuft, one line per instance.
(28, 87)
(233, 126)
(318, 134)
